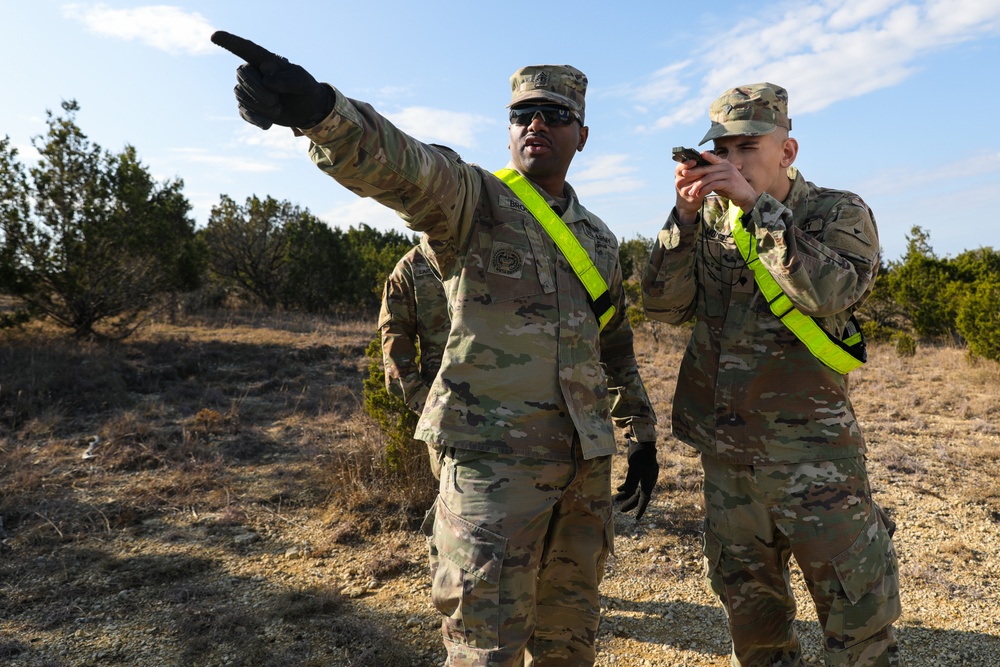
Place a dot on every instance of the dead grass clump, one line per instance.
(47, 372)
(362, 480)
(153, 570)
(388, 563)
(212, 630)
(898, 460)
(926, 577)
(308, 603)
(11, 649)
(188, 484)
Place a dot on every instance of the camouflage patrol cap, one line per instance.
(559, 84)
(750, 110)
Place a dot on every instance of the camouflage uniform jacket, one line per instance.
(748, 391)
(526, 365)
(414, 311)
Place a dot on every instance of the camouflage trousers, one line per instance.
(517, 552)
(757, 517)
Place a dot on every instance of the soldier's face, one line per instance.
(539, 150)
(763, 161)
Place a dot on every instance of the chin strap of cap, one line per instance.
(842, 356)
(569, 245)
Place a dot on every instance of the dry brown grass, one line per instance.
(235, 507)
(129, 468)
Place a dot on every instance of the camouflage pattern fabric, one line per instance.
(413, 324)
(821, 513)
(748, 390)
(780, 443)
(558, 84)
(526, 365)
(750, 111)
(527, 378)
(518, 548)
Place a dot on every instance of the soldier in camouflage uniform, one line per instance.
(782, 451)
(413, 323)
(529, 382)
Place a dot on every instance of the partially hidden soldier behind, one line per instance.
(413, 324)
(530, 380)
(783, 455)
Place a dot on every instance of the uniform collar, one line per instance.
(797, 197)
(574, 209)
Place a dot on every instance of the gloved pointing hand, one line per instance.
(643, 470)
(271, 90)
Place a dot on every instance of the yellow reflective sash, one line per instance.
(842, 356)
(569, 245)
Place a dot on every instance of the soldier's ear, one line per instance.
(584, 133)
(789, 151)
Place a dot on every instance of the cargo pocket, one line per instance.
(609, 547)
(711, 548)
(861, 567)
(466, 561)
(869, 576)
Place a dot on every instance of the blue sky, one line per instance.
(897, 100)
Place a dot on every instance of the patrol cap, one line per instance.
(750, 110)
(559, 84)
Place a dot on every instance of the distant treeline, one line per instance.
(91, 241)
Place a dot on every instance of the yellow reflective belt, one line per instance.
(583, 266)
(825, 348)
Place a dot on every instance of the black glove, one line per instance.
(271, 90)
(643, 470)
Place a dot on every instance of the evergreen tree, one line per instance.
(89, 239)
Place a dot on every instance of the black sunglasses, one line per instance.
(551, 115)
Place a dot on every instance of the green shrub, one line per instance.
(877, 333)
(396, 420)
(89, 238)
(978, 319)
(905, 345)
(633, 298)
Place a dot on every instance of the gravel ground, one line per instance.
(271, 588)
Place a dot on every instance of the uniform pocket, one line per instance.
(711, 548)
(466, 561)
(861, 567)
(609, 547)
(511, 264)
(869, 575)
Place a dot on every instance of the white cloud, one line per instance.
(363, 210)
(949, 176)
(903, 197)
(277, 142)
(603, 175)
(861, 45)
(439, 126)
(850, 14)
(163, 27)
(225, 163)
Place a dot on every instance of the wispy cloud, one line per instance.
(823, 52)
(605, 174)
(227, 163)
(360, 210)
(163, 27)
(277, 142)
(439, 126)
(948, 176)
